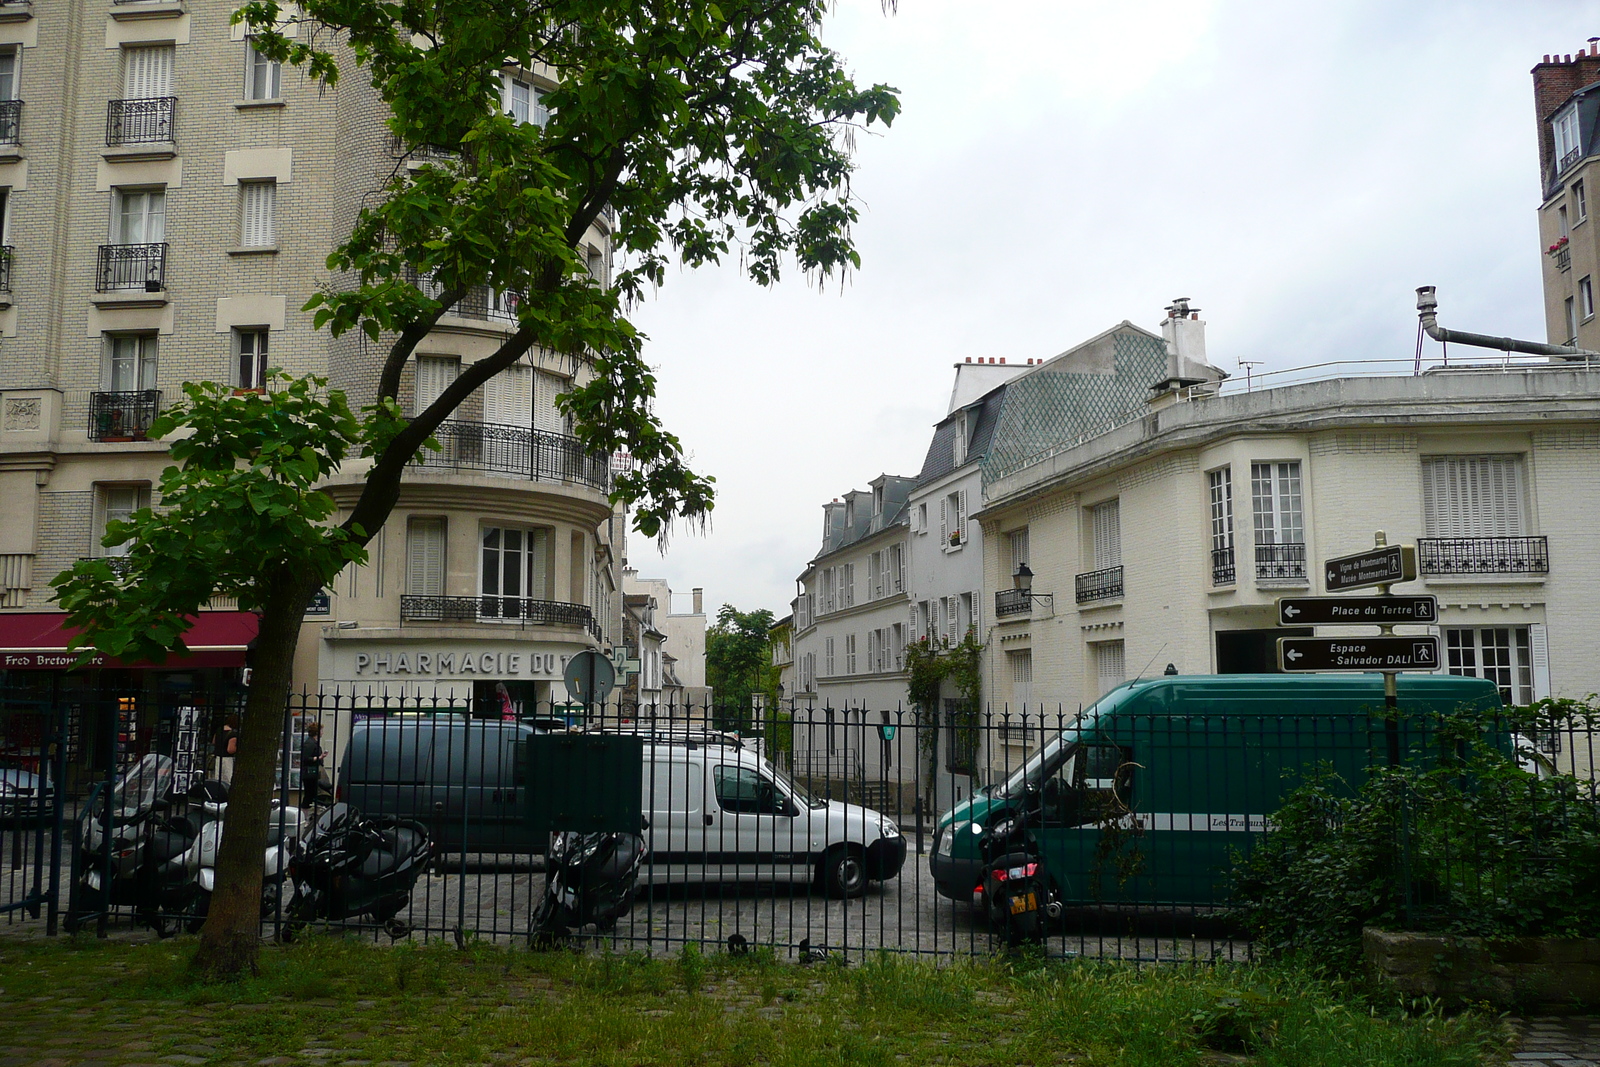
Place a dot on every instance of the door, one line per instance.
(1085, 825)
(141, 217)
(756, 833)
(674, 807)
(492, 790)
(385, 771)
(133, 363)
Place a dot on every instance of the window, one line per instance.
(261, 75)
(546, 416)
(1561, 217)
(959, 445)
(434, 375)
(1565, 128)
(1572, 319)
(897, 569)
(1585, 298)
(256, 203)
(512, 568)
(523, 101)
(1219, 484)
(1018, 540)
(147, 72)
(251, 346)
(828, 603)
(1021, 663)
(953, 519)
(1580, 201)
(827, 656)
(1275, 499)
(849, 653)
(875, 646)
(897, 646)
(875, 576)
(922, 518)
(508, 397)
(8, 74)
(1472, 496)
(1502, 654)
(1105, 527)
(745, 791)
(139, 217)
(425, 548)
(1108, 665)
(130, 363)
(847, 585)
(117, 503)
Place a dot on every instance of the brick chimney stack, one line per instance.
(1554, 81)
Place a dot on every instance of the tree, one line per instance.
(738, 662)
(707, 126)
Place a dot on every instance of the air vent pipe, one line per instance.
(1427, 305)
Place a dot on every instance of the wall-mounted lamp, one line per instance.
(1022, 581)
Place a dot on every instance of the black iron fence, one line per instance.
(1223, 570)
(518, 451)
(10, 121)
(1280, 562)
(844, 830)
(124, 415)
(131, 267)
(1012, 602)
(145, 121)
(496, 609)
(5, 268)
(1104, 584)
(1483, 555)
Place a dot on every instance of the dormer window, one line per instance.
(961, 439)
(1565, 127)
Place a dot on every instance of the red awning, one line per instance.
(37, 640)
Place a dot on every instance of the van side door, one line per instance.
(758, 834)
(386, 770)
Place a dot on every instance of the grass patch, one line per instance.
(337, 999)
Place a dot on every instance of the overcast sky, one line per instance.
(1296, 168)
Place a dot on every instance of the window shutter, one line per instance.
(508, 398)
(1539, 645)
(147, 72)
(434, 375)
(977, 609)
(425, 557)
(944, 522)
(961, 515)
(257, 212)
(545, 416)
(1106, 524)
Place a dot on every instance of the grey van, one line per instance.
(459, 777)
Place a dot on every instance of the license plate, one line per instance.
(1026, 902)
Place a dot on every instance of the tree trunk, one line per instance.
(231, 937)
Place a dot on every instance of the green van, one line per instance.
(1141, 799)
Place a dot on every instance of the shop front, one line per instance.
(111, 712)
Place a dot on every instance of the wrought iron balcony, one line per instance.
(518, 452)
(1572, 156)
(1284, 562)
(1223, 571)
(480, 302)
(131, 267)
(1103, 584)
(1012, 602)
(1563, 257)
(146, 121)
(5, 268)
(10, 121)
(1483, 555)
(122, 416)
(496, 609)
(398, 149)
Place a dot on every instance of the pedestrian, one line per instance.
(311, 765)
(225, 747)
(508, 711)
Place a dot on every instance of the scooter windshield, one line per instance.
(143, 784)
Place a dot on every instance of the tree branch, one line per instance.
(407, 342)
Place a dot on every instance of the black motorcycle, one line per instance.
(589, 881)
(351, 867)
(133, 852)
(1018, 893)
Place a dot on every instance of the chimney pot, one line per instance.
(699, 601)
(1002, 359)
(1547, 59)
(969, 359)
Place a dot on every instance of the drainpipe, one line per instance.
(1427, 305)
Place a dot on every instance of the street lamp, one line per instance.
(1022, 581)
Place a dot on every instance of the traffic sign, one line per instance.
(589, 677)
(1350, 610)
(1375, 566)
(1358, 653)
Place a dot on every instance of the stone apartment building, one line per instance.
(1566, 92)
(169, 199)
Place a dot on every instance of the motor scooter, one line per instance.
(132, 853)
(1018, 893)
(210, 800)
(589, 879)
(350, 866)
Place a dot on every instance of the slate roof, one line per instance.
(941, 457)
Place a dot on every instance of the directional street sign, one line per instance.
(1325, 610)
(1358, 653)
(1375, 566)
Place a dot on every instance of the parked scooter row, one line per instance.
(143, 847)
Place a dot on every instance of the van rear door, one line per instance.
(386, 769)
(674, 806)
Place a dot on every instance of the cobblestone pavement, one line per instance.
(1558, 1041)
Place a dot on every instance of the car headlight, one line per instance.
(947, 838)
(888, 829)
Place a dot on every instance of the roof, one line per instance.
(941, 458)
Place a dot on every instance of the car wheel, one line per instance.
(843, 872)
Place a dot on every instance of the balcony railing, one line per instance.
(480, 302)
(1011, 602)
(519, 452)
(123, 416)
(496, 609)
(1563, 258)
(131, 267)
(10, 121)
(1223, 571)
(1103, 584)
(398, 149)
(1483, 555)
(1569, 159)
(1285, 562)
(145, 121)
(5, 268)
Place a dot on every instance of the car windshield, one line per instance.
(796, 790)
(1032, 773)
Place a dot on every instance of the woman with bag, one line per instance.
(225, 747)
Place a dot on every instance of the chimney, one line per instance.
(1554, 82)
(699, 601)
(1186, 340)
